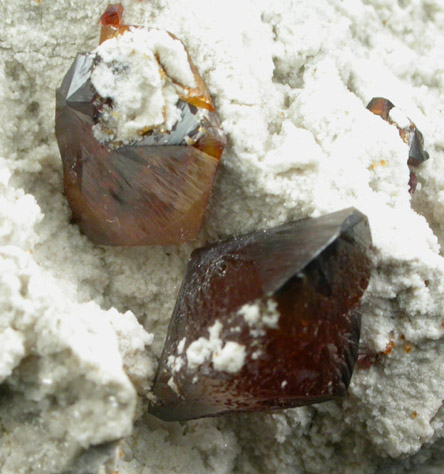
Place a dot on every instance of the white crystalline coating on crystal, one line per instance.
(251, 313)
(230, 358)
(256, 354)
(202, 349)
(199, 351)
(136, 71)
(173, 385)
(271, 315)
(215, 331)
(260, 314)
(226, 356)
(399, 117)
(181, 345)
(175, 363)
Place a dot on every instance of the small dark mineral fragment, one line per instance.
(417, 154)
(410, 134)
(112, 16)
(266, 320)
(380, 106)
(413, 182)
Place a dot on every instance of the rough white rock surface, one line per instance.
(136, 71)
(291, 81)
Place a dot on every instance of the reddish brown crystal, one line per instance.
(367, 360)
(380, 106)
(198, 96)
(412, 136)
(153, 192)
(413, 182)
(315, 271)
(112, 15)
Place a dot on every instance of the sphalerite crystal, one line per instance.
(407, 131)
(266, 320)
(112, 16)
(153, 187)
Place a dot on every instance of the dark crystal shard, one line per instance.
(266, 320)
(413, 182)
(410, 135)
(417, 154)
(154, 191)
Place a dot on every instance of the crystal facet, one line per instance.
(154, 191)
(112, 15)
(266, 320)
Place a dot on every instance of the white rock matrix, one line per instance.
(82, 326)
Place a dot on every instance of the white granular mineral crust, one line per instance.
(399, 117)
(82, 326)
(259, 314)
(227, 356)
(136, 71)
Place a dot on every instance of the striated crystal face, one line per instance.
(266, 320)
(154, 191)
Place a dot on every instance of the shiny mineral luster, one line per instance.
(312, 273)
(153, 191)
(112, 16)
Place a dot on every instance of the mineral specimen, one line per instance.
(153, 187)
(266, 320)
(407, 129)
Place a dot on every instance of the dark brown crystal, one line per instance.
(314, 271)
(154, 191)
(412, 136)
(380, 106)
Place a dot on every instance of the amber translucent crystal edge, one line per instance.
(112, 16)
(199, 96)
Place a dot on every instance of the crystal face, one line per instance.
(154, 191)
(266, 320)
(112, 15)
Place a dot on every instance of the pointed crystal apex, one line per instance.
(81, 93)
(266, 320)
(112, 16)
